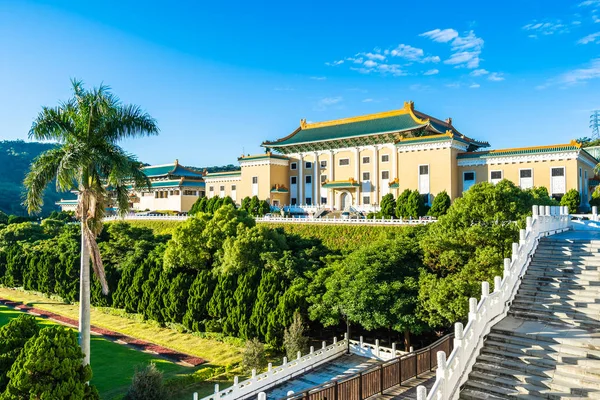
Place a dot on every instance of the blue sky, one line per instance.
(220, 79)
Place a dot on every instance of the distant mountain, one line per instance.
(15, 158)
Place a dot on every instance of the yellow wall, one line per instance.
(441, 174)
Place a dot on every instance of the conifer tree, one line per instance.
(267, 298)
(50, 367)
(13, 337)
(294, 340)
(197, 307)
(263, 208)
(388, 205)
(222, 300)
(238, 318)
(441, 204)
(177, 297)
(227, 201)
(415, 205)
(246, 204)
(253, 207)
(401, 203)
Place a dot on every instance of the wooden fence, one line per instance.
(382, 377)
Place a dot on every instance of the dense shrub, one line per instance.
(441, 204)
(572, 200)
(13, 337)
(254, 355)
(147, 383)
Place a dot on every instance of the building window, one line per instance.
(385, 158)
(294, 201)
(468, 180)
(324, 164)
(495, 176)
(294, 180)
(366, 176)
(233, 187)
(557, 182)
(344, 162)
(323, 200)
(423, 169)
(308, 165)
(308, 201)
(366, 160)
(424, 179)
(366, 200)
(211, 188)
(190, 193)
(222, 188)
(585, 185)
(385, 174)
(308, 179)
(293, 166)
(323, 178)
(526, 178)
(254, 180)
(177, 193)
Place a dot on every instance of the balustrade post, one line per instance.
(393, 350)
(334, 340)
(594, 213)
(548, 210)
(323, 345)
(459, 336)
(472, 308)
(284, 361)
(312, 349)
(270, 367)
(254, 373)
(361, 342)
(506, 267)
(262, 396)
(289, 393)
(541, 211)
(299, 355)
(529, 223)
(497, 283)
(485, 289)
(515, 250)
(535, 211)
(421, 393)
(522, 234)
(376, 347)
(195, 396)
(441, 372)
(236, 380)
(217, 391)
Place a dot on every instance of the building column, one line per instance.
(300, 179)
(357, 174)
(395, 162)
(330, 173)
(316, 180)
(375, 178)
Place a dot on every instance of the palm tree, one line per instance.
(87, 159)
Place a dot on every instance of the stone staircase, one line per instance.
(548, 347)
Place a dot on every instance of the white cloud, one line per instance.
(592, 38)
(374, 56)
(475, 86)
(453, 85)
(593, 3)
(576, 76)
(595, 18)
(367, 100)
(329, 101)
(370, 64)
(334, 63)
(496, 77)
(431, 59)
(440, 35)
(318, 78)
(546, 28)
(479, 72)
(407, 52)
(431, 72)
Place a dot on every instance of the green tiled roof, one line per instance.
(173, 183)
(223, 174)
(394, 185)
(262, 157)
(519, 151)
(279, 190)
(341, 184)
(174, 170)
(349, 130)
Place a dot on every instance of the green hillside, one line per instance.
(15, 157)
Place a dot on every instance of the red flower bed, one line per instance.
(111, 335)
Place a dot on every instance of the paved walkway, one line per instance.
(408, 390)
(109, 335)
(336, 369)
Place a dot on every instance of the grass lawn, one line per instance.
(113, 364)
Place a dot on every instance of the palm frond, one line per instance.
(41, 173)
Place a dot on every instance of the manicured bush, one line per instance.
(572, 200)
(388, 206)
(13, 337)
(441, 204)
(254, 355)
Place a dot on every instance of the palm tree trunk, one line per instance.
(84, 299)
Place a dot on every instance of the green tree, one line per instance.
(253, 207)
(415, 205)
(13, 337)
(197, 307)
(388, 205)
(294, 340)
(147, 383)
(441, 204)
(3, 218)
(177, 297)
(254, 355)
(246, 204)
(228, 201)
(263, 208)
(50, 367)
(401, 204)
(572, 200)
(88, 127)
(595, 201)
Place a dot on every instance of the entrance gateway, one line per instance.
(346, 200)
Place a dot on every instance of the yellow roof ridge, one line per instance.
(407, 109)
(548, 146)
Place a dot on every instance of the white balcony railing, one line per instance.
(492, 307)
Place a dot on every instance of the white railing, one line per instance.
(492, 307)
(360, 348)
(147, 217)
(350, 221)
(276, 375)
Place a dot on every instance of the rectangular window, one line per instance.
(468, 180)
(156, 195)
(294, 201)
(495, 176)
(366, 176)
(559, 171)
(189, 193)
(366, 199)
(385, 174)
(526, 178)
(323, 178)
(366, 160)
(308, 179)
(423, 169)
(324, 164)
(211, 188)
(254, 180)
(344, 162)
(308, 165)
(222, 188)
(294, 180)
(385, 158)
(557, 182)
(308, 201)
(177, 193)
(323, 200)
(469, 176)
(233, 187)
(293, 166)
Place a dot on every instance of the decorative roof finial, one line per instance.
(176, 161)
(303, 123)
(449, 121)
(409, 105)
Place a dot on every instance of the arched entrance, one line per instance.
(345, 200)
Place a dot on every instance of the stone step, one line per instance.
(566, 251)
(535, 266)
(570, 345)
(593, 261)
(581, 311)
(569, 272)
(554, 287)
(541, 358)
(555, 318)
(476, 394)
(567, 300)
